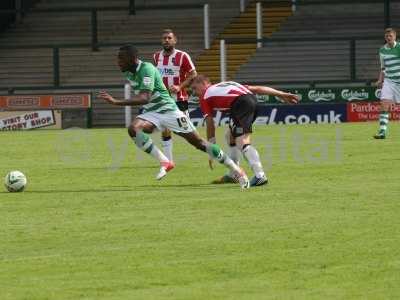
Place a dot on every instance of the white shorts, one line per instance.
(175, 121)
(390, 91)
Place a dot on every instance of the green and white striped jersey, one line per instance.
(390, 61)
(147, 78)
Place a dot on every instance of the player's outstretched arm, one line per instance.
(210, 129)
(142, 98)
(265, 90)
(210, 135)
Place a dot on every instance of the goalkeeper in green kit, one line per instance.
(160, 112)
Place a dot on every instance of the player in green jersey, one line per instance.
(389, 79)
(160, 112)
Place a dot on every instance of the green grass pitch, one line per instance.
(94, 224)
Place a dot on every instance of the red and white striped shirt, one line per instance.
(173, 69)
(220, 96)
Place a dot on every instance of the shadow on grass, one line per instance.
(106, 168)
(76, 191)
(189, 186)
(144, 188)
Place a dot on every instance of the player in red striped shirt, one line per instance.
(177, 71)
(241, 103)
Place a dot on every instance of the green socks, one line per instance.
(144, 142)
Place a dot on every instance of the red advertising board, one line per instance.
(369, 111)
(37, 102)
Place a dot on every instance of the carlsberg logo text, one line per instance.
(350, 95)
(317, 96)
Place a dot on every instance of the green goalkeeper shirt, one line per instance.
(147, 78)
(390, 61)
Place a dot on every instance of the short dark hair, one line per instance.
(167, 31)
(129, 49)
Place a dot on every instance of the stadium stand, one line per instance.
(287, 56)
(82, 66)
(325, 56)
(242, 26)
(55, 28)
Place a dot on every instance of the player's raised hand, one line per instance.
(289, 98)
(106, 97)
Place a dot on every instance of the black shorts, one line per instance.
(243, 113)
(183, 105)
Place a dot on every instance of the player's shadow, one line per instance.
(187, 185)
(105, 168)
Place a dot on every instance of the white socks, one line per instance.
(167, 146)
(234, 154)
(157, 154)
(251, 155)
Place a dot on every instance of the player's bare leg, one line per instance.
(138, 131)
(383, 119)
(167, 145)
(215, 152)
(251, 155)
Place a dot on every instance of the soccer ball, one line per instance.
(15, 181)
